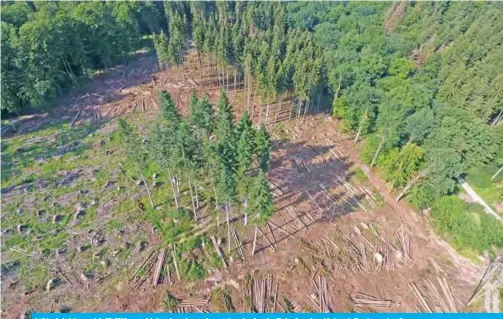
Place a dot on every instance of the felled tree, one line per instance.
(135, 152)
(262, 148)
(261, 203)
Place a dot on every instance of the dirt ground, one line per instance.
(338, 241)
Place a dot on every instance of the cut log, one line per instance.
(158, 268)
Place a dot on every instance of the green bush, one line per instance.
(466, 225)
(191, 269)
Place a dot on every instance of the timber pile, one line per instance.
(362, 300)
(323, 295)
(193, 305)
(441, 297)
(361, 254)
(262, 295)
(143, 271)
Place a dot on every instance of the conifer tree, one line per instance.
(164, 138)
(193, 108)
(245, 148)
(168, 108)
(262, 148)
(161, 47)
(261, 203)
(226, 140)
(135, 151)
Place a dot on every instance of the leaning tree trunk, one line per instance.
(246, 211)
(376, 154)
(148, 191)
(192, 200)
(255, 240)
(410, 184)
(497, 173)
(173, 188)
(200, 65)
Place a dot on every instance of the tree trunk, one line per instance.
(192, 200)
(173, 188)
(248, 94)
(410, 184)
(148, 191)
(358, 134)
(246, 211)
(260, 111)
(200, 65)
(360, 127)
(216, 208)
(267, 115)
(376, 154)
(197, 195)
(227, 208)
(235, 76)
(497, 119)
(497, 173)
(291, 109)
(227, 78)
(255, 240)
(177, 180)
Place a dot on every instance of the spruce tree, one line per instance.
(226, 140)
(262, 148)
(193, 108)
(135, 151)
(168, 108)
(261, 203)
(245, 148)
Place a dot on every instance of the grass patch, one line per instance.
(466, 226)
(359, 175)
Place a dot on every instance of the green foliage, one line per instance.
(201, 115)
(465, 225)
(191, 269)
(168, 108)
(400, 165)
(225, 131)
(170, 302)
(481, 176)
(132, 144)
(171, 224)
(245, 154)
(49, 47)
(261, 200)
(263, 147)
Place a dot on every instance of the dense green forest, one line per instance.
(48, 47)
(420, 83)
